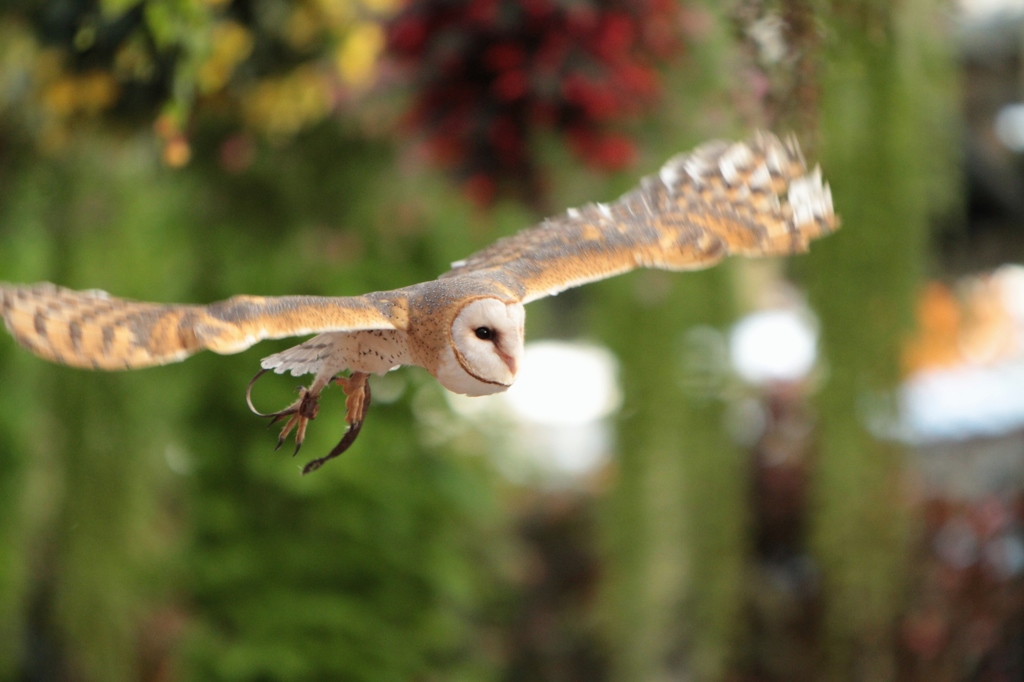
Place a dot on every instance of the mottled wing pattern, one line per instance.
(94, 330)
(753, 198)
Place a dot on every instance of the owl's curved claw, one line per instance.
(248, 399)
(357, 392)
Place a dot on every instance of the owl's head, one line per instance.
(486, 347)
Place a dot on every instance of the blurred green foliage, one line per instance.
(888, 130)
(147, 529)
(675, 528)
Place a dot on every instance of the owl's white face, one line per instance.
(486, 348)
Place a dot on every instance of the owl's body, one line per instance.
(375, 351)
(466, 327)
(423, 317)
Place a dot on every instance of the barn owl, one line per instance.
(751, 198)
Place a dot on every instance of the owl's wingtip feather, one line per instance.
(810, 200)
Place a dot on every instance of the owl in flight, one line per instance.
(465, 327)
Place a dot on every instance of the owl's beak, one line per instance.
(509, 361)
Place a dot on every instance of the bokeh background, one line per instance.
(792, 470)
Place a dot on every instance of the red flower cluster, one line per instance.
(488, 73)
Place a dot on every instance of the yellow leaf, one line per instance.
(97, 90)
(337, 13)
(281, 106)
(381, 7)
(357, 56)
(231, 44)
(303, 26)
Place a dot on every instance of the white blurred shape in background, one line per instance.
(1010, 280)
(972, 400)
(773, 345)
(1010, 127)
(982, 9)
(553, 422)
(565, 384)
(963, 402)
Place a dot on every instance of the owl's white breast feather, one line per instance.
(374, 351)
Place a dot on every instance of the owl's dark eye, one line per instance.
(485, 333)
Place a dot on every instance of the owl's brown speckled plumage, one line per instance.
(752, 199)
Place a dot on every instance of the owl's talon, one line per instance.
(284, 432)
(357, 401)
(306, 408)
(300, 433)
(344, 444)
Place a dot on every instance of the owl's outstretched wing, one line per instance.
(752, 198)
(94, 330)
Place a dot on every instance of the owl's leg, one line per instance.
(299, 413)
(357, 401)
